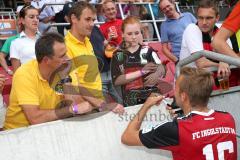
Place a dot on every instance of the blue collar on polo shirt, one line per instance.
(170, 19)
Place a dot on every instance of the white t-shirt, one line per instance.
(191, 42)
(23, 48)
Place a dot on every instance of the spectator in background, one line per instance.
(201, 133)
(204, 31)
(5, 50)
(135, 68)
(58, 11)
(65, 12)
(230, 26)
(111, 29)
(46, 14)
(97, 41)
(172, 29)
(82, 16)
(32, 100)
(22, 49)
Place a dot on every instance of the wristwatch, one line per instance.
(9, 71)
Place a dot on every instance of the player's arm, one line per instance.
(131, 133)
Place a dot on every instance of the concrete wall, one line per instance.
(95, 137)
(84, 138)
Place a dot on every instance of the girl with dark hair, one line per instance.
(23, 48)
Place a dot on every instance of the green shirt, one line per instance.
(6, 46)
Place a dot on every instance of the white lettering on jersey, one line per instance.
(213, 131)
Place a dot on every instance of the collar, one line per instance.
(211, 111)
(23, 34)
(36, 65)
(206, 114)
(75, 40)
(38, 72)
(111, 21)
(206, 36)
(170, 19)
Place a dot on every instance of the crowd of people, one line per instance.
(87, 68)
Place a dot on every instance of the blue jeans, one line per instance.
(108, 88)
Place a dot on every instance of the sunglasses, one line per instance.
(24, 9)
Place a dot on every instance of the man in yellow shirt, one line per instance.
(32, 100)
(86, 74)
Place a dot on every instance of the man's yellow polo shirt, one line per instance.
(86, 73)
(28, 88)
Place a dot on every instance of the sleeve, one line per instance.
(194, 20)
(6, 47)
(152, 56)
(117, 65)
(165, 135)
(233, 20)
(103, 30)
(14, 52)
(164, 35)
(99, 33)
(194, 43)
(46, 12)
(25, 89)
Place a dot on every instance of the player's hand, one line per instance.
(153, 99)
(171, 111)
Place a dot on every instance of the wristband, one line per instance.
(9, 71)
(142, 73)
(68, 79)
(74, 109)
(102, 106)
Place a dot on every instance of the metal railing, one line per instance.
(213, 56)
(154, 21)
(231, 102)
(7, 12)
